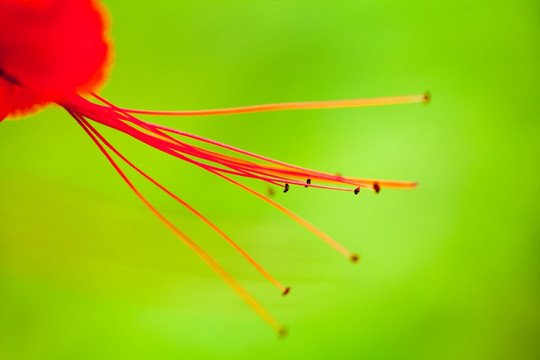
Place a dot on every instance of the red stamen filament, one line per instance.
(262, 168)
(219, 172)
(214, 265)
(282, 167)
(281, 287)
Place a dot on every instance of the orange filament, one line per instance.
(321, 235)
(306, 105)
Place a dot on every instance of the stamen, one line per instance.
(169, 143)
(321, 235)
(192, 210)
(306, 105)
(258, 167)
(246, 296)
(278, 167)
(289, 169)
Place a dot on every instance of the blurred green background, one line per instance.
(449, 270)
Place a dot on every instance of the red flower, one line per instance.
(56, 51)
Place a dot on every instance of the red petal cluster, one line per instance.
(49, 50)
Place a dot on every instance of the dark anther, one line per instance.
(427, 97)
(286, 188)
(355, 258)
(286, 291)
(357, 190)
(308, 182)
(376, 187)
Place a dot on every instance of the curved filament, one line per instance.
(214, 265)
(269, 277)
(236, 163)
(304, 105)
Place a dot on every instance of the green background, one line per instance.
(449, 270)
